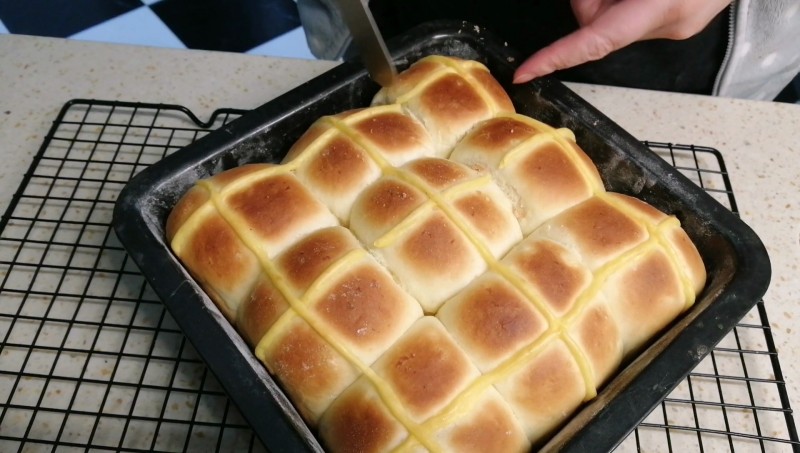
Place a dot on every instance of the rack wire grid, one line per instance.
(90, 359)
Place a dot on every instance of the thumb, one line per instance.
(619, 25)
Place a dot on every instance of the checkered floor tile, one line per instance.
(259, 27)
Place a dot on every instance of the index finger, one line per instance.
(622, 24)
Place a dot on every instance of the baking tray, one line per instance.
(736, 260)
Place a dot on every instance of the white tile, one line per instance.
(3, 28)
(140, 27)
(292, 44)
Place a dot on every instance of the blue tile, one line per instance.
(233, 25)
(60, 18)
(139, 27)
(290, 45)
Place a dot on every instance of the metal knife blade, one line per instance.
(368, 41)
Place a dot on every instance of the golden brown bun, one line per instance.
(435, 272)
(541, 168)
(448, 95)
(423, 221)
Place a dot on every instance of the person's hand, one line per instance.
(609, 25)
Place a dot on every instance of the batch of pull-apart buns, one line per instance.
(435, 271)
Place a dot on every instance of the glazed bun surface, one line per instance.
(435, 271)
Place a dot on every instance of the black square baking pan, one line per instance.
(736, 260)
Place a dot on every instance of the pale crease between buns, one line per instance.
(435, 272)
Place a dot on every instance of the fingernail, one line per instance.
(523, 77)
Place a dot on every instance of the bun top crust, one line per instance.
(435, 271)
(448, 95)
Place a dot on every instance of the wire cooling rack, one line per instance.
(90, 359)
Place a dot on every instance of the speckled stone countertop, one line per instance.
(759, 140)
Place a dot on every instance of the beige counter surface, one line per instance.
(759, 140)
